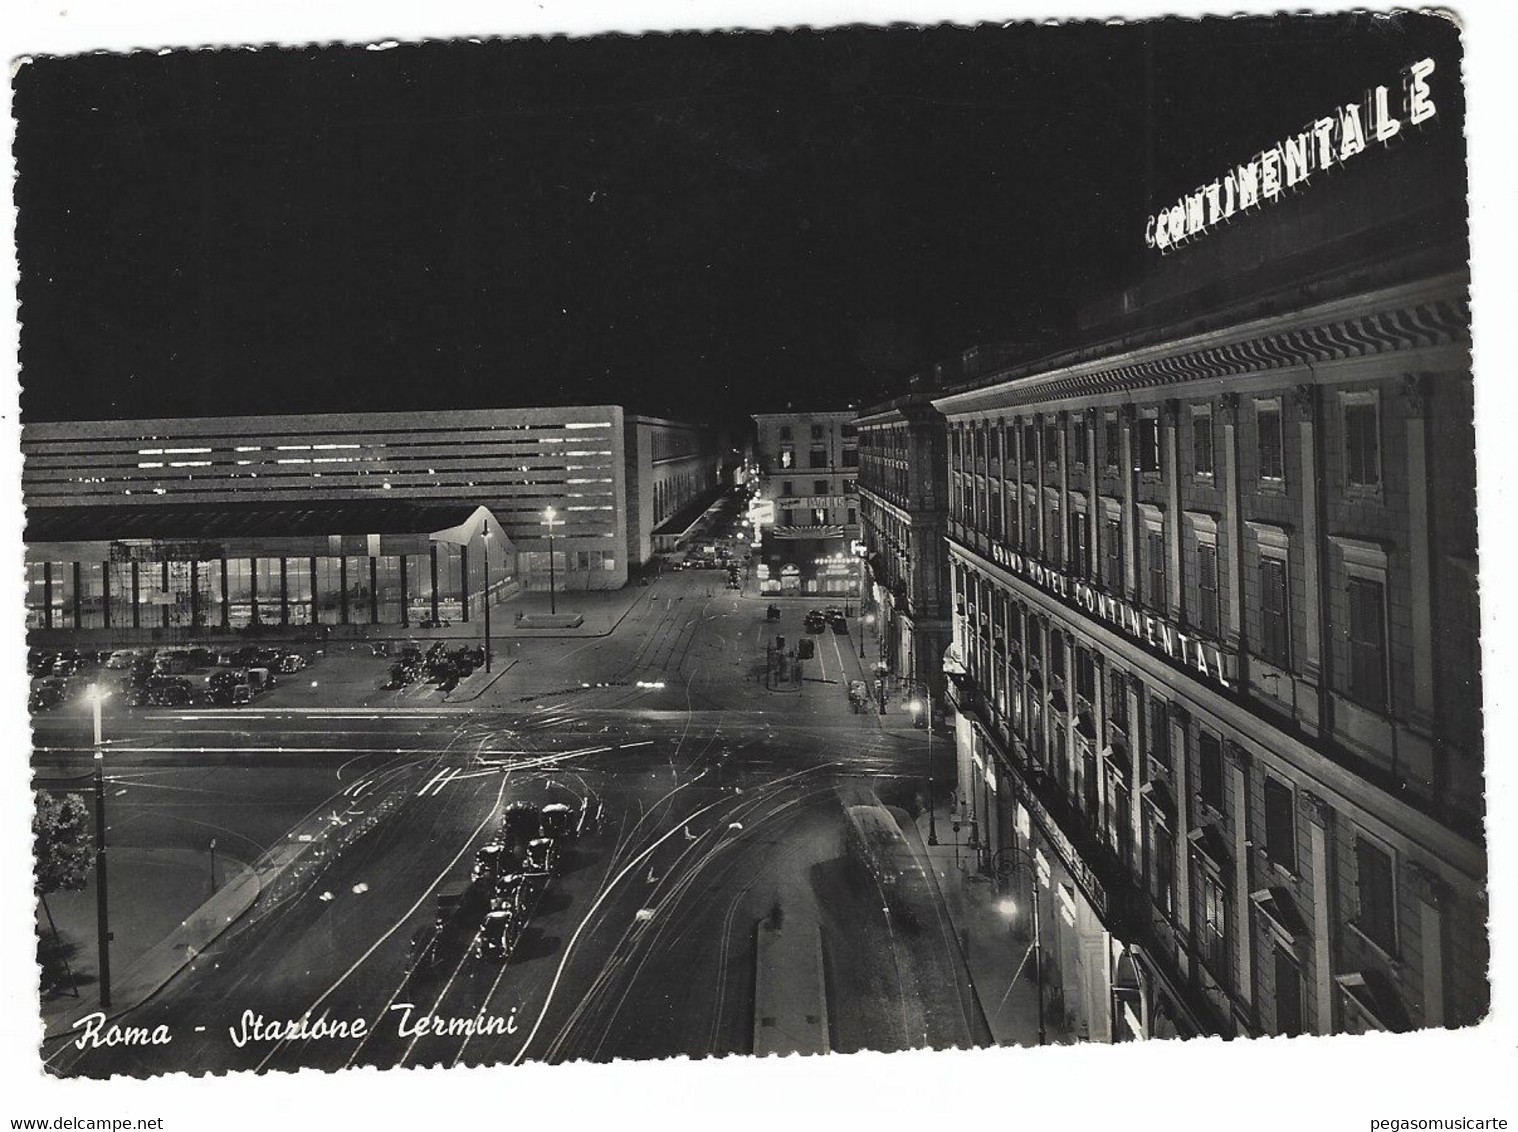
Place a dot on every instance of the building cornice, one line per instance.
(1426, 314)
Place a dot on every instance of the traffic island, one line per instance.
(790, 987)
(550, 621)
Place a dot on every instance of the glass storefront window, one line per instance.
(92, 596)
(450, 582)
(298, 591)
(359, 590)
(388, 579)
(63, 595)
(207, 593)
(270, 593)
(36, 595)
(419, 587)
(120, 574)
(239, 592)
(329, 590)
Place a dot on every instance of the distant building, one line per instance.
(1216, 635)
(809, 472)
(181, 522)
(903, 503)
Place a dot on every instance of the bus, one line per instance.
(876, 842)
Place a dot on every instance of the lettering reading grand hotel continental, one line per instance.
(1201, 657)
(1331, 140)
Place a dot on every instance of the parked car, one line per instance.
(814, 621)
(46, 696)
(401, 674)
(121, 658)
(435, 623)
(175, 694)
(834, 616)
(806, 648)
(291, 662)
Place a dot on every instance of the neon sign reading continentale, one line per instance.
(1334, 139)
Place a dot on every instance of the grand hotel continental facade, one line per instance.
(1216, 642)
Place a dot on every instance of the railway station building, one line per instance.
(344, 519)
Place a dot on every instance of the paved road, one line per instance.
(722, 804)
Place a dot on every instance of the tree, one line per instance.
(63, 849)
(63, 846)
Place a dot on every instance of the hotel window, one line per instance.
(787, 518)
(848, 430)
(1030, 527)
(1280, 825)
(1156, 595)
(1209, 750)
(1112, 546)
(996, 444)
(1111, 445)
(1159, 733)
(1147, 441)
(1367, 643)
(1212, 927)
(1117, 700)
(1051, 445)
(1078, 444)
(1275, 622)
(1272, 442)
(853, 516)
(1201, 442)
(1362, 438)
(1052, 531)
(817, 432)
(1080, 549)
(818, 458)
(788, 487)
(1376, 895)
(819, 487)
(1288, 998)
(1030, 444)
(785, 432)
(1207, 588)
(787, 457)
(819, 516)
(1159, 856)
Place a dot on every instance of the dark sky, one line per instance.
(702, 226)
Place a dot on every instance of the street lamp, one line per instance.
(1003, 865)
(867, 619)
(486, 600)
(102, 920)
(915, 706)
(550, 521)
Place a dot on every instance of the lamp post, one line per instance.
(1004, 864)
(867, 619)
(486, 600)
(550, 521)
(915, 706)
(102, 920)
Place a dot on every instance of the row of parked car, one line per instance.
(438, 665)
(170, 677)
(506, 884)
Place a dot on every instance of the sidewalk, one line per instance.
(156, 927)
(990, 949)
(603, 611)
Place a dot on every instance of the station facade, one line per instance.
(608, 476)
(1215, 631)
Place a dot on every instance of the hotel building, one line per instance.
(1215, 630)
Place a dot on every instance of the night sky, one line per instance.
(699, 226)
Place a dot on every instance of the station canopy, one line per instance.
(439, 520)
